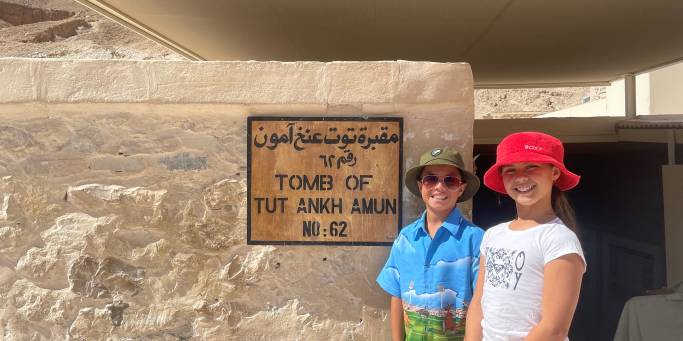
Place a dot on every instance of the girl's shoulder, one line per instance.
(558, 227)
(558, 240)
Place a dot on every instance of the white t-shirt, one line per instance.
(513, 285)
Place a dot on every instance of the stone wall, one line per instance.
(123, 197)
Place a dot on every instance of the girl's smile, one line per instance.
(524, 188)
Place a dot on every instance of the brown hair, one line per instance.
(563, 209)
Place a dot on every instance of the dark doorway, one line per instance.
(619, 209)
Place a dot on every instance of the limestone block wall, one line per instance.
(123, 197)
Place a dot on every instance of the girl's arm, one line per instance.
(396, 319)
(561, 286)
(474, 314)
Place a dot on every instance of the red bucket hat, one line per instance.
(530, 146)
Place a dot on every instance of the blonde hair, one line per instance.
(563, 209)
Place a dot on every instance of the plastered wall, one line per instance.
(123, 197)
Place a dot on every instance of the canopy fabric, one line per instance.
(509, 43)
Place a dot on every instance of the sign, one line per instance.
(323, 180)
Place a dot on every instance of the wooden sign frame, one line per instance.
(288, 121)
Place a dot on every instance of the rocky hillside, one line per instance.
(524, 103)
(66, 29)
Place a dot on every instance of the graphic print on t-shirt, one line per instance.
(504, 267)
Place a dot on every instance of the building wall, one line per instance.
(666, 90)
(123, 197)
(616, 100)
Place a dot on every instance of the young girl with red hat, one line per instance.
(531, 267)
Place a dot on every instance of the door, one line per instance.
(672, 176)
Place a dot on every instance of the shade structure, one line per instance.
(509, 43)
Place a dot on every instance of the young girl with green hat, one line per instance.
(531, 267)
(433, 263)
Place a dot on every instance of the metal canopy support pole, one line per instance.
(671, 148)
(630, 95)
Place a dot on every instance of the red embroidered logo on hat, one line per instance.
(536, 148)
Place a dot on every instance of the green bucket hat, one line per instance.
(443, 156)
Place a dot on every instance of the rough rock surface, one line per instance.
(66, 29)
(94, 250)
(524, 103)
(123, 197)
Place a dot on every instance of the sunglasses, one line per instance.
(452, 182)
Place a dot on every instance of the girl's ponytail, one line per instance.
(563, 209)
